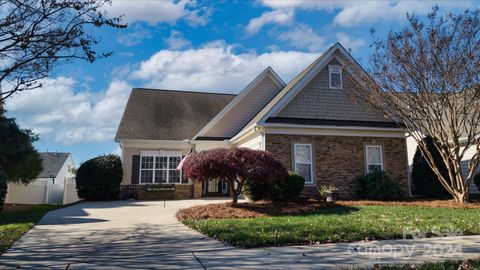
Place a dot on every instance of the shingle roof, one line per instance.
(52, 163)
(155, 114)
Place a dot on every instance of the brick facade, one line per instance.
(339, 160)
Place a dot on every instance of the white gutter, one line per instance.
(242, 133)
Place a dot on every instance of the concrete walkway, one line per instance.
(146, 235)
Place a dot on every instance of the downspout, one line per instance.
(259, 129)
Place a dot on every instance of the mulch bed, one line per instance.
(249, 210)
(267, 209)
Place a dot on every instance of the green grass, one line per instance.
(338, 225)
(15, 224)
(448, 265)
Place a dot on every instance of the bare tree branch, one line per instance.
(426, 77)
(38, 35)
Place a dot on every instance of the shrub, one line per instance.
(236, 166)
(378, 185)
(3, 188)
(425, 182)
(287, 189)
(257, 190)
(476, 180)
(99, 178)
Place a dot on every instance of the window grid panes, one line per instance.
(303, 161)
(335, 76)
(160, 169)
(374, 158)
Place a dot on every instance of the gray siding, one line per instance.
(232, 122)
(318, 101)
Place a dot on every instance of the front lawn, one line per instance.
(16, 222)
(338, 224)
(448, 265)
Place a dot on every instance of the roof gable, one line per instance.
(316, 100)
(283, 98)
(52, 163)
(153, 114)
(243, 107)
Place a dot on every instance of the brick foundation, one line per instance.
(339, 160)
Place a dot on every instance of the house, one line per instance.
(55, 184)
(412, 147)
(309, 124)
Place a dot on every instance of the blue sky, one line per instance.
(213, 46)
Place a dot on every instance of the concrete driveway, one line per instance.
(146, 235)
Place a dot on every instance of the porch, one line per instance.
(162, 191)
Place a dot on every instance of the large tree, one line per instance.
(19, 160)
(426, 77)
(234, 165)
(37, 35)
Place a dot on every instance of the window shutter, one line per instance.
(135, 169)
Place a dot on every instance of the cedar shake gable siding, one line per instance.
(317, 101)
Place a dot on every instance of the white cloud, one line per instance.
(216, 67)
(65, 113)
(349, 42)
(155, 12)
(134, 38)
(353, 13)
(280, 16)
(303, 37)
(56, 112)
(176, 41)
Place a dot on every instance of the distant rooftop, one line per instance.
(157, 114)
(52, 163)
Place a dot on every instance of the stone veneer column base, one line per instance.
(197, 190)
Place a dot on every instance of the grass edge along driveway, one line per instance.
(14, 224)
(339, 224)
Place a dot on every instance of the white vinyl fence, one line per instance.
(42, 191)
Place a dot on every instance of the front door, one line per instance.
(215, 188)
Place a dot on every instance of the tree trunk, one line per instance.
(233, 192)
(234, 198)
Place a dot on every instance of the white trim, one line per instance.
(155, 155)
(244, 132)
(267, 72)
(367, 163)
(311, 160)
(335, 69)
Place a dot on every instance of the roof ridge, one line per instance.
(182, 91)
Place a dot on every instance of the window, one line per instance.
(160, 168)
(303, 161)
(335, 76)
(374, 158)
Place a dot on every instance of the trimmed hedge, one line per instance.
(289, 189)
(425, 182)
(257, 190)
(3, 188)
(99, 178)
(286, 190)
(378, 185)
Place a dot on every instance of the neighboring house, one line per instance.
(412, 147)
(55, 184)
(309, 124)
